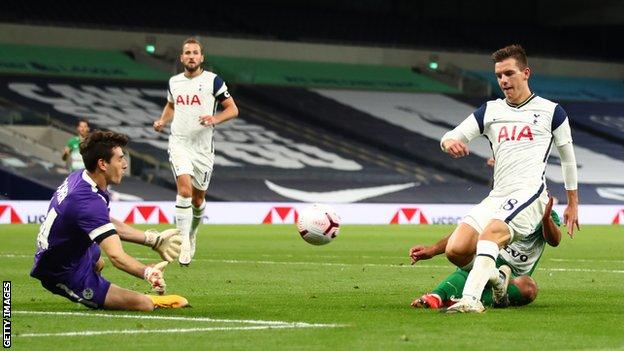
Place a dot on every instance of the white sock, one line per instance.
(484, 268)
(198, 213)
(183, 215)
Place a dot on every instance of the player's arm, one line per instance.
(165, 117)
(167, 243)
(65, 153)
(562, 135)
(421, 252)
(111, 245)
(550, 229)
(230, 110)
(455, 142)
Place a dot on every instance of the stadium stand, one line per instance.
(409, 124)
(605, 119)
(323, 75)
(45, 61)
(256, 147)
(569, 88)
(550, 28)
(313, 127)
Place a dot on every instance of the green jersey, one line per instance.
(74, 161)
(522, 256)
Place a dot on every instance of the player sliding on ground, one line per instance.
(78, 225)
(521, 129)
(518, 260)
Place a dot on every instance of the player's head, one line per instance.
(512, 72)
(192, 55)
(102, 153)
(527, 287)
(82, 128)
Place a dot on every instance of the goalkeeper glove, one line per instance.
(154, 276)
(167, 243)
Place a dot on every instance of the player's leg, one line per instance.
(461, 246)
(513, 217)
(202, 173)
(182, 168)
(122, 299)
(184, 216)
(198, 205)
(495, 235)
(450, 288)
(119, 298)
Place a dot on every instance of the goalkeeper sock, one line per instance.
(483, 270)
(451, 286)
(183, 215)
(198, 213)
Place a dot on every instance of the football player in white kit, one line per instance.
(192, 100)
(521, 130)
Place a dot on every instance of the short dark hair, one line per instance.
(100, 145)
(193, 40)
(512, 51)
(81, 120)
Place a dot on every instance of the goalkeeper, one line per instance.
(78, 226)
(521, 256)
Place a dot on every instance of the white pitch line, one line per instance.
(584, 260)
(582, 270)
(406, 265)
(161, 331)
(417, 266)
(181, 318)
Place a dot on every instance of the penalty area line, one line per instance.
(161, 331)
(181, 318)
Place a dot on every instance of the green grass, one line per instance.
(362, 281)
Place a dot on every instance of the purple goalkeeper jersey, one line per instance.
(77, 220)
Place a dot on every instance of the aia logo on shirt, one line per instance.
(188, 100)
(281, 215)
(515, 133)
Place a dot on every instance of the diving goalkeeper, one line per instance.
(78, 227)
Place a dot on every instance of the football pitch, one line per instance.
(263, 288)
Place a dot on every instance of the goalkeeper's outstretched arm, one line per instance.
(167, 243)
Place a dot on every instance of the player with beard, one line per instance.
(192, 100)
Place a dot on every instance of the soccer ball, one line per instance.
(318, 224)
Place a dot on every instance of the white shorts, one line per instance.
(194, 156)
(521, 210)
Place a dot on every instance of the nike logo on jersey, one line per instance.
(338, 196)
(515, 133)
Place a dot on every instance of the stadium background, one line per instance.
(334, 95)
(341, 101)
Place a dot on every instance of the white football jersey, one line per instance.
(521, 138)
(192, 98)
(524, 254)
